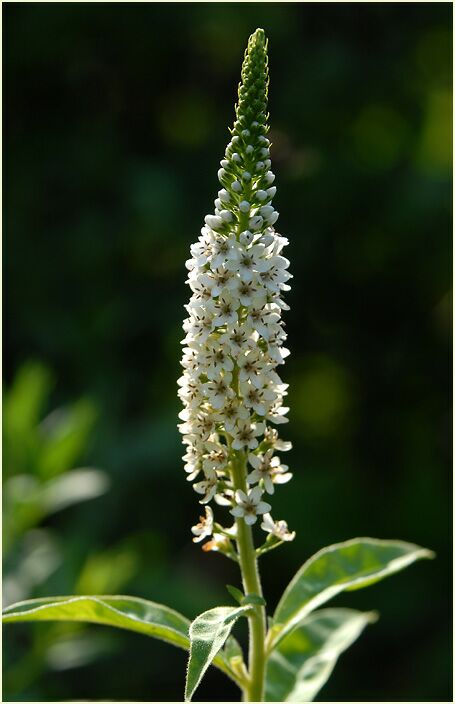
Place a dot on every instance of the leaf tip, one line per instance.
(372, 616)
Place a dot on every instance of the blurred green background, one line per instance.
(115, 118)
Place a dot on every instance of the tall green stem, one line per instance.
(252, 585)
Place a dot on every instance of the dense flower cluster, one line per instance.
(234, 335)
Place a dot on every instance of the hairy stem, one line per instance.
(252, 585)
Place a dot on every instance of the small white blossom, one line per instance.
(268, 469)
(249, 506)
(205, 527)
(207, 487)
(245, 434)
(219, 390)
(225, 311)
(233, 411)
(217, 457)
(277, 528)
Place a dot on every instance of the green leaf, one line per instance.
(236, 594)
(208, 632)
(345, 566)
(304, 660)
(128, 612)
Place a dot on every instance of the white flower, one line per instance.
(248, 292)
(277, 414)
(249, 506)
(268, 469)
(272, 439)
(256, 398)
(190, 392)
(277, 528)
(202, 425)
(215, 359)
(207, 487)
(248, 261)
(218, 281)
(225, 310)
(219, 390)
(198, 325)
(251, 364)
(221, 249)
(217, 457)
(237, 339)
(245, 434)
(205, 527)
(259, 318)
(232, 412)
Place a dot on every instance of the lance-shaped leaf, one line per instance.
(130, 613)
(345, 566)
(208, 633)
(304, 660)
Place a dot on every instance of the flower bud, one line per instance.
(246, 237)
(224, 195)
(255, 222)
(266, 211)
(213, 221)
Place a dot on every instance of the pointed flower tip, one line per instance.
(258, 37)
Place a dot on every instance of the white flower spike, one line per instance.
(234, 335)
